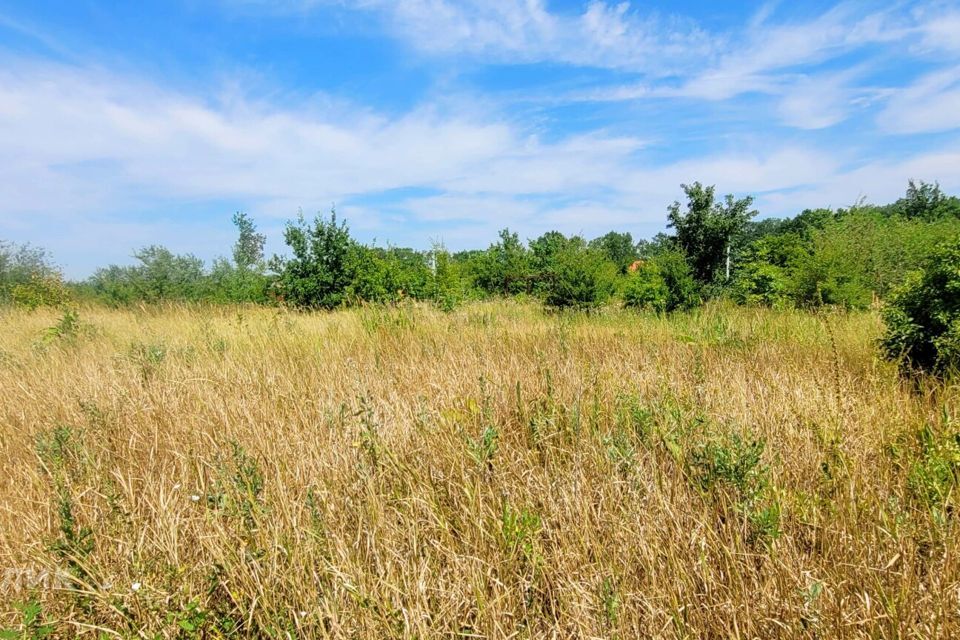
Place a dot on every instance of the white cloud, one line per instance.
(939, 28)
(613, 35)
(80, 147)
(823, 100)
(930, 104)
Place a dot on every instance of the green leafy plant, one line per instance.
(732, 465)
(60, 453)
(519, 529)
(147, 357)
(319, 272)
(610, 602)
(646, 288)
(934, 476)
(33, 626)
(238, 488)
(67, 328)
(578, 277)
(483, 448)
(923, 316)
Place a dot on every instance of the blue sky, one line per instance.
(125, 124)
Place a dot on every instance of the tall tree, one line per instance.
(706, 229)
(925, 201)
(505, 267)
(248, 250)
(618, 248)
(319, 273)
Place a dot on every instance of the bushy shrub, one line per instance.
(764, 275)
(447, 286)
(504, 268)
(28, 278)
(619, 248)
(41, 290)
(862, 252)
(160, 275)
(923, 315)
(761, 283)
(319, 272)
(578, 278)
(645, 288)
(682, 288)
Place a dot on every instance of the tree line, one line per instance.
(906, 253)
(714, 248)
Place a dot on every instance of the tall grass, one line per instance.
(491, 472)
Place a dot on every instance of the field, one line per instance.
(496, 472)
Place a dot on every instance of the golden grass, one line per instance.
(495, 472)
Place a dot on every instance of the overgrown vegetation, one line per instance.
(923, 317)
(490, 470)
(444, 455)
(851, 258)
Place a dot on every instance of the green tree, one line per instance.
(660, 243)
(242, 280)
(925, 201)
(248, 249)
(923, 315)
(578, 277)
(505, 267)
(618, 248)
(646, 288)
(388, 274)
(546, 247)
(682, 287)
(114, 284)
(28, 277)
(705, 229)
(163, 275)
(319, 272)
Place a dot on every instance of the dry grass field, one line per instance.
(494, 472)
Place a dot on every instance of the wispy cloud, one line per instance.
(930, 104)
(87, 149)
(612, 35)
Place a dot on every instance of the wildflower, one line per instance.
(135, 587)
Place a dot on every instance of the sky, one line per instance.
(126, 124)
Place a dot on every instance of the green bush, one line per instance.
(732, 465)
(682, 289)
(764, 275)
(40, 291)
(504, 268)
(446, 285)
(923, 315)
(646, 289)
(863, 252)
(761, 283)
(578, 278)
(319, 273)
(28, 278)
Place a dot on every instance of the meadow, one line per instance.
(497, 471)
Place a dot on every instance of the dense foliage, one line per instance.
(28, 278)
(923, 316)
(706, 229)
(851, 258)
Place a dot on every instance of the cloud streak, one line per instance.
(114, 160)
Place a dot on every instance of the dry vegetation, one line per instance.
(494, 472)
